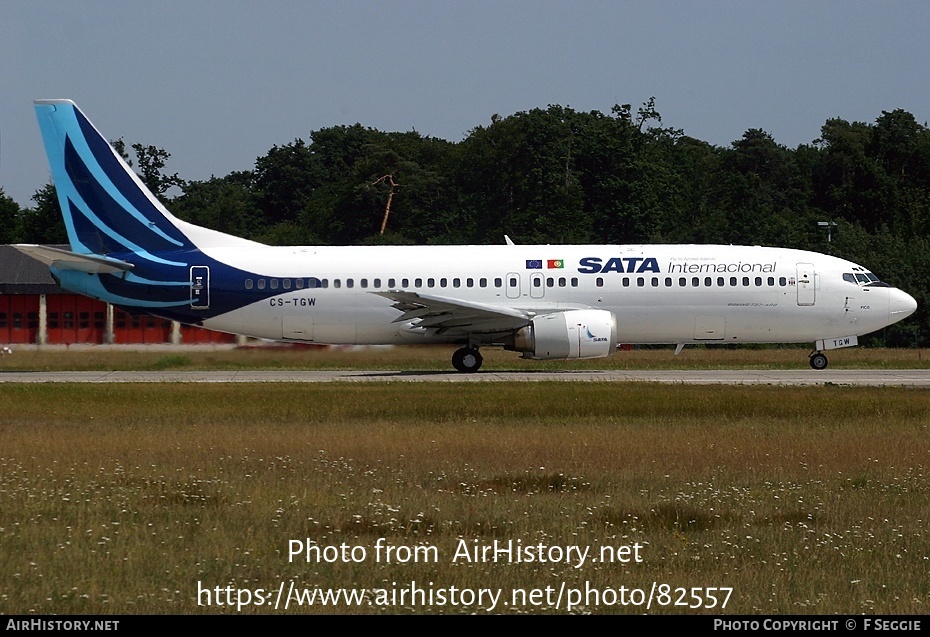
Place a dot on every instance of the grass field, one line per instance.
(438, 358)
(138, 498)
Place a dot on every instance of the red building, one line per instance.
(33, 309)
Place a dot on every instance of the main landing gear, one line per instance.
(467, 360)
(818, 360)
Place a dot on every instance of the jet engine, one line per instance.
(570, 334)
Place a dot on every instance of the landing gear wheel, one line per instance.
(818, 361)
(467, 360)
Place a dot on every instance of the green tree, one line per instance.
(518, 176)
(9, 216)
(151, 161)
(225, 204)
(43, 223)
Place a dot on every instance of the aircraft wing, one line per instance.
(65, 260)
(447, 314)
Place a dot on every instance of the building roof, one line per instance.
(21, 274)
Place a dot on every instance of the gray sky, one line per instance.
(218, 83)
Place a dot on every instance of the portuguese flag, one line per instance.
(555, 263)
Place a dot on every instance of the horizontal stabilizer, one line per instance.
(66, 260)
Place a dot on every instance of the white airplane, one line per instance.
(545, 301)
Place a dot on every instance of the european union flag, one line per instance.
(534, 264)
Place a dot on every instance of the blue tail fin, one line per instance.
(136, 252)
(107, 209)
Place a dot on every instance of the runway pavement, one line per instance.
(871, 378)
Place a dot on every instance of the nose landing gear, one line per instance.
(818, 360)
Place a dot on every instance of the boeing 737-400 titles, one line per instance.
(544, 301)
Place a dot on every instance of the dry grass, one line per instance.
(438, 358)
(121, 498)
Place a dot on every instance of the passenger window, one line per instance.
(720, 281)
(626, 281)
(456, 283)
(640, 281)
(745, 281)
(261, 284)
(599, 282)
(483, 283)
(300, 284)
(430, 282)
(562, 282)
(695, 282)
(771, 281)
(708, 281)
(363, 283)
(733, 281)
(758, 281)
(782, 281)
(274, 284)
(498, 282)
(376, 283)
(442, 283)
(682, 281)
(248, 284)
(337, 283)
(350, 283)
(418, 283)
(287, 284)
(470, 282)
(655, 281)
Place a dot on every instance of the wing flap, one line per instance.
(446, 313)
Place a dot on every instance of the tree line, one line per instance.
(556, 175)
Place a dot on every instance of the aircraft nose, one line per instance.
(901, 305)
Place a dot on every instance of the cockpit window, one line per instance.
(864, 279)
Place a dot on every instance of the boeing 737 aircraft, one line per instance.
(545, 301)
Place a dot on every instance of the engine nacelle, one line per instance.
(571, 334)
